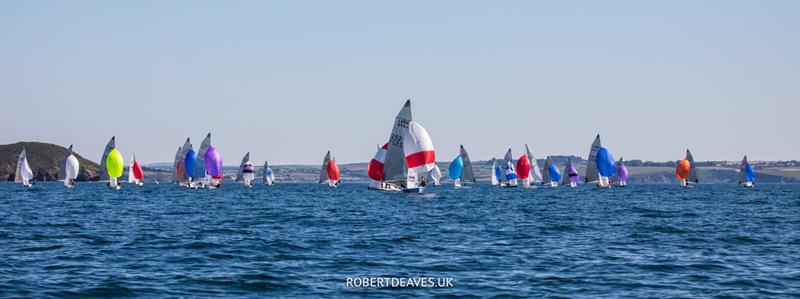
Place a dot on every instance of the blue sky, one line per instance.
(288, 81)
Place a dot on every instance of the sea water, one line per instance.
(305, 240)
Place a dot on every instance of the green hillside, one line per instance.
(44, 159)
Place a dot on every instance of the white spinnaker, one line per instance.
(72, 168)
(592, 174)
(436, 175)
(536, 173)
(109, 147)
(24, 173)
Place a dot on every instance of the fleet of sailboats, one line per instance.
(402, 164)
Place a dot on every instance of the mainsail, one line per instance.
(468, 175)
(323, 172)
(692, 170)
(178, 169)
(536, 174)
(546, 171)
(186, 162)
(240, 172)
(109, 147)
(395, 167)
(198, 171)
(592, 173)
(24, 173)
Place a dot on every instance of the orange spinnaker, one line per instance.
(683, 169)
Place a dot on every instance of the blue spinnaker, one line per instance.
(749, 173)
(188, 161)
(455, 168)
(605, 163)
(511, 174)
(555, 175)
(498, 173)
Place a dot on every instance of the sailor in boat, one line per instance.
(423, 182)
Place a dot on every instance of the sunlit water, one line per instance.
(303, 240)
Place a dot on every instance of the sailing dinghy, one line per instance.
(23, 174)
(410, 154)
(497, 174)
(269, 176)
(686, 171)
(605, 167)
(135, 173)
(69, 168)
(572, 177)
(550, 174)
(460, 170)
(197, 172)
(535, 174)
(213, 167)
(184, 164)
(524, 170)
(329, 173)
(111, 165)
(622, 173)
(747, 175)
(512, 180)
(246, 172)
(375, 171)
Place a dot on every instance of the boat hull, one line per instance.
(414, 190)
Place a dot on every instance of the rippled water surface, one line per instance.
(302, 240)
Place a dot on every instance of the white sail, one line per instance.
(592, 174)
(269, 176)
(395, 168)
(436, 175)
(467, 175)
(24, 173)
(72, 168)
(109, 147)
(693, 170)
(536, 173)
(323, 172)
(240, 172)
(199, 170)
(493, 173)
(131, 177)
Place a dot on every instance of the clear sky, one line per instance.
(289, 80)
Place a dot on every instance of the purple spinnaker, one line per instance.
(248, 167)
(623, 173)
(573, 174)
(213, 162)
